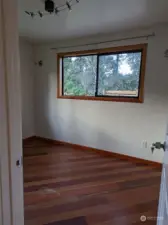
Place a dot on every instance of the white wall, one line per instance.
(27, 79)
(116, 127)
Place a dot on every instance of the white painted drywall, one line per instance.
(116, 127)
(27, 84)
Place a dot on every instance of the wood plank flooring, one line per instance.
(62, 183)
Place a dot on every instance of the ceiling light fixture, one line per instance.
(51, 9)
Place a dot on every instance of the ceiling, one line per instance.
(90, 17)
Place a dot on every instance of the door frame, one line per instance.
(11, 176)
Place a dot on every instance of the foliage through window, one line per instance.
(79, 75)
(112, 74)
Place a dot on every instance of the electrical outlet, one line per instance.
(144, 144)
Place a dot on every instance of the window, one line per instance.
(114, 74)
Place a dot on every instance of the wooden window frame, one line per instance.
(113, 50)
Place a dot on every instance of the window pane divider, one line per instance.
(97, 76)
(62, 77)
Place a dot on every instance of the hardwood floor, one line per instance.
(62, 183)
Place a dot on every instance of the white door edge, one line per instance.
(4, 154)
(11, 177)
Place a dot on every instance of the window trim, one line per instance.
(121, 49)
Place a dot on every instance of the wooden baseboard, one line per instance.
(104, 152)
(25, 140)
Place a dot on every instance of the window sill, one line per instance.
(109, 99)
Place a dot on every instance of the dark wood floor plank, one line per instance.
(65, 183)
(61, 178)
